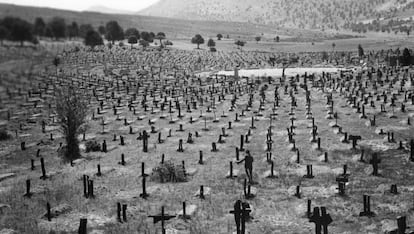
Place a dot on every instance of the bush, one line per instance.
(4, 135)
(168, 172)
(92, 146)
(212, 49)
(62, 151)
(72, 109)
(121, 44)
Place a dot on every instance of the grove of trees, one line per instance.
(18, 30)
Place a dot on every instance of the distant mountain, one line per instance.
(310, 14)
(107, 10)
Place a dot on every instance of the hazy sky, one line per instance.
(80, 5)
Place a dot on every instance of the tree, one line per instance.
(219, 36)
(277, 38)
(360, 51)
(132, 32)
(93, 38)
(84, 29)
(144, 43)
(325, 56)
(39, 27)
(211, 43)
(19, 30)
(102, 30)
(197, 39)
(240, 44)
(333, 46)
(114, 32)
(4, 34)
(58, 27)
(406, 57)
(132, 40)
(146, 36)
(73, 30)
(258, 38)
(71, 109)
(48, 32)
(160, 36)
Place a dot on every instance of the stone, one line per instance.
(191, 171)
(6, 176)
(268, 173)
(3, 207)
(78, 161)
(8, 231)
(189, 210)
(207, 191)
(235, 173)
(59, 210)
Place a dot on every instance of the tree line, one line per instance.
(19, 30)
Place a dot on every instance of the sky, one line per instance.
(80, 5)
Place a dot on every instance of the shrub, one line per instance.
(92, 146)
(4, 135)
(72, 109)
(168, 172)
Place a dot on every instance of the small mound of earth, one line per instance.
(390, 128)
(317, 170)
(70, 222)
(127, 195)
(59, 210)
(313, 191)
(8, 231)
(378, 145)
(388, 225)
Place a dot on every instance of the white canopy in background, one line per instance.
(277, 72)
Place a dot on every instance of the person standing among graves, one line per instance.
(237, 214)
(248, 165)
(145, 137)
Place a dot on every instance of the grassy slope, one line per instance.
(174, 28)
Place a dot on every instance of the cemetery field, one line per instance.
(371, 41)
(332, 138)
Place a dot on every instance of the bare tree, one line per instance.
(72, 109)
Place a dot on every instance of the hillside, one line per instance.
(320, 14)
(174, 28)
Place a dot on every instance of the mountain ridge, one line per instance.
(108, 10)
